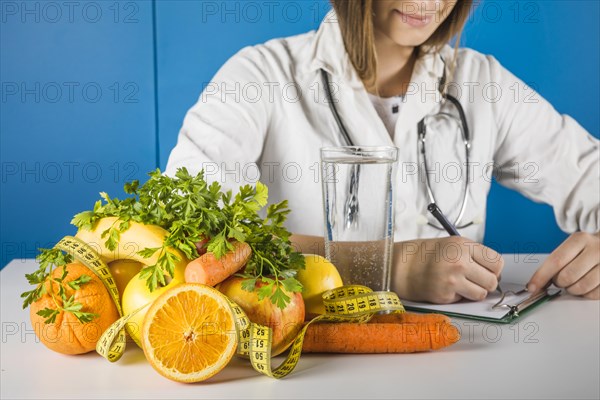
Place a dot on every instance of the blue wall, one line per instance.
(93, 93)
(77, 98)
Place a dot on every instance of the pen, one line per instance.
(437, 213)
(451, 229)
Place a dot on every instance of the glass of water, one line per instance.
(358, 204)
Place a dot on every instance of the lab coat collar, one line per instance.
(329, 53)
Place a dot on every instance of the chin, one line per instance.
(406, 37)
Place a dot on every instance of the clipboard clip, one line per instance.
(514, 309)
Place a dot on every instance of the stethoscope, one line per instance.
(422, 132)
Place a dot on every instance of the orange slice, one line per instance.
(189, 333)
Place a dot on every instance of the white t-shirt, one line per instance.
(388, 109)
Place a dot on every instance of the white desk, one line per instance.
(551, 353)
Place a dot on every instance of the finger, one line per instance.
(445, 298)
(593, 295)
(557, 260)
(576, 269)
(482, 277)
(471, 291)
(587, 283)
(488, 258)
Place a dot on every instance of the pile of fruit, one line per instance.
(183, 259)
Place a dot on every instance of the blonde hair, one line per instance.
(355, 18)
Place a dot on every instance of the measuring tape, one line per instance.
(345, 304)
(111, 350)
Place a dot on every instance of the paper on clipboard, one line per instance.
(483, 309)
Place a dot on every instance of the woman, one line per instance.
(388, 63)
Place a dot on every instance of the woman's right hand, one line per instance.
(445, 270)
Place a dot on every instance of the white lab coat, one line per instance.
(265, 115)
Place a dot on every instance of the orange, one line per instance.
(67, 335)
(189, 333)
(137, 294)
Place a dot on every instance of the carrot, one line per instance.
(387, 334)
(209, 270)
(409, 317)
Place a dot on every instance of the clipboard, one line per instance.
(498, 308)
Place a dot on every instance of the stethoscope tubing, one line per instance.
(421, 128)
(334, 111)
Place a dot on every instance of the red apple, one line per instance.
(285, 323)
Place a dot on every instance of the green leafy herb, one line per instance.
(76, 284)
(73, 307)
(45, 281)
(191, 210)
(50, 314)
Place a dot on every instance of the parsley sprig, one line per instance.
(46, 282)
(192, 210)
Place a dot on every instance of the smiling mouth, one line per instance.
(413, 19)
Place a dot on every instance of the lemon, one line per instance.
(318, 276)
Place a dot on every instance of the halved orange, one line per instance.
(189, 333)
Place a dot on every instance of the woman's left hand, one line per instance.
(574, 265)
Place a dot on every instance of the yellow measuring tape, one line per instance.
(345, 304)
(85, 254)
